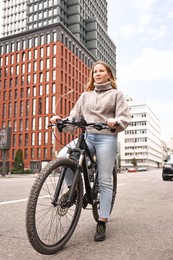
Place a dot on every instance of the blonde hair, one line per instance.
(90, 84)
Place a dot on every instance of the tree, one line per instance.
(18, 162)
(134, 162)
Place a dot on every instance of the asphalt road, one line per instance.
(140, 227)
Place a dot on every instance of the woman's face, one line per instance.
(100, 74)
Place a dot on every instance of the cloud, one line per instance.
(152, 64)
(128, 31)
(143, 5)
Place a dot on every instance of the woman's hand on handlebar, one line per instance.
(54, 119)
(112, 122)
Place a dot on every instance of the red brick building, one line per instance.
(37, 69)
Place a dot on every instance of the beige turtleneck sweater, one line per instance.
(100, 104)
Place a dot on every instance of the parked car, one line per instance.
(132, 170)
(142, 169)
(167, 172)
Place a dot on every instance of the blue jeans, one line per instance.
(105, 148)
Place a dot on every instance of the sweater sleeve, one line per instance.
(122, 114)
(77, 109)
(76, 113)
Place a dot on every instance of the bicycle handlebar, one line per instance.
(61, 123)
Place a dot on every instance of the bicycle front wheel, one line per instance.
(50, 225)
(96, 196)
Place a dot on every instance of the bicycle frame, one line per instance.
(81, 166)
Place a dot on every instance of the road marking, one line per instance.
(21, 200)
(16, 201)
(12, 201)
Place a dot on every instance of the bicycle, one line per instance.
(53, 208)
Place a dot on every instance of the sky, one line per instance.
(142, 31)
(143, 35)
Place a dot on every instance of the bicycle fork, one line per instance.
(75, 179)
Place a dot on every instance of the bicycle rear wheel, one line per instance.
(96, 196)
(50, 226)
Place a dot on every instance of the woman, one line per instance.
(102, 102)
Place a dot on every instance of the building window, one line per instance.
(32, 153)
(29, 55)
(39, 139)
(22, 80)
(39, 123)
(45, 153)
(15, 108)
(27, 124)
(53, 104)
(34, 91)
(41, 64)
(34, 107)
(41, 77)
(54, 36)
(54, 75)
(10, 94)
(47, 75)
(12, 47)
(38, 153)
(33, 123)
(40, 106)
(28, 79)
(11, 83)
(30, 43)
(48, 38)
(4, 96)
(23, 44)
(41, 52)
(33, 139)
(35, 78)
(20, 140)
(47, 63)
(47, 50)
(42, 39)
(23, 68)
(17, 69)
(54, 49)
(35, 54)
(9, 109)
(46, 138)
(47, 105)
(21, 108)
(35, 41)
(29, 67)
(28, 92)
(41, 90)
(14, 140)
(11, 58)
(20, 125)
(53, 88)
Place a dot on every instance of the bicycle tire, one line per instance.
(96, 195)
(50, 227)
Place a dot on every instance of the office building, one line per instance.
(142, 139)
(40, 64)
